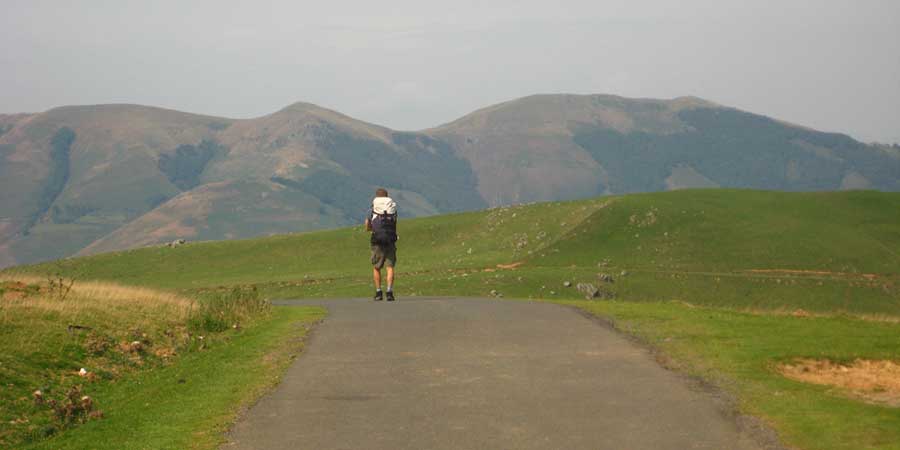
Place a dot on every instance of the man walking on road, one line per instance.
(381, 221)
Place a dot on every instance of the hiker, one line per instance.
(381, 221)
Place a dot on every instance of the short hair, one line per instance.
(381, 192)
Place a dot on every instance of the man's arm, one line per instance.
(368, 225)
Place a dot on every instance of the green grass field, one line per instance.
(727, 283)
(160, 370)
(191, 403)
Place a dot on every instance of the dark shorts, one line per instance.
(384, 255)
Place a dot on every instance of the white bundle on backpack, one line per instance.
(384, 205)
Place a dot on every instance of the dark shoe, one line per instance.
(390, 296)
(378, 296)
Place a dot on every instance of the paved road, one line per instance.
(441, 373)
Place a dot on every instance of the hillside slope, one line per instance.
(749, 249)
(86, 179)
(551, 147)
(727, 286)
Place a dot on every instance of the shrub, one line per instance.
(229, 310)
(96, 343)
(73, 407)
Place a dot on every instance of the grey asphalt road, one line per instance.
(451, 373)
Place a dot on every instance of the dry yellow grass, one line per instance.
(872, 381)
(115, 309)
(97, 295)
(801, 313)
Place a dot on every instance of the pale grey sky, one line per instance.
(832, 65)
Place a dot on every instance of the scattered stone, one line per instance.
(38, 397)
(469, 251)
(589, 290)
(83, 372)
(552, 292)
(624, 273)
(606, 278)
(567, 283)
(176, 243)
(87, 403)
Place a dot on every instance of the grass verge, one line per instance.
(88, 364)
(190, 403)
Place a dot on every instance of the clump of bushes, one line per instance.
(96, 344)
(74, 407)
(228, 310)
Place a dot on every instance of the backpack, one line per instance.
(384, 228)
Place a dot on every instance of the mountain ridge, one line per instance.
(87, 178)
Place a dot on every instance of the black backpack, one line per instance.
(384, 228)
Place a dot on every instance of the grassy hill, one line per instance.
(751, 249)
(89, 179)
(731, 286)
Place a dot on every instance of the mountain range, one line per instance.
(89, 179)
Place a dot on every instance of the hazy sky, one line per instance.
(831, 65)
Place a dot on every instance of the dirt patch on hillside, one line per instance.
(872, 381)
(867, 276)
(14, 290)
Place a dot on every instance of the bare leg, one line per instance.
(390, 278)
(376, 274)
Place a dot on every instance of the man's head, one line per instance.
(381, 192)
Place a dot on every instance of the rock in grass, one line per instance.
(589, 290)
(605, 278)
(567, 283)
